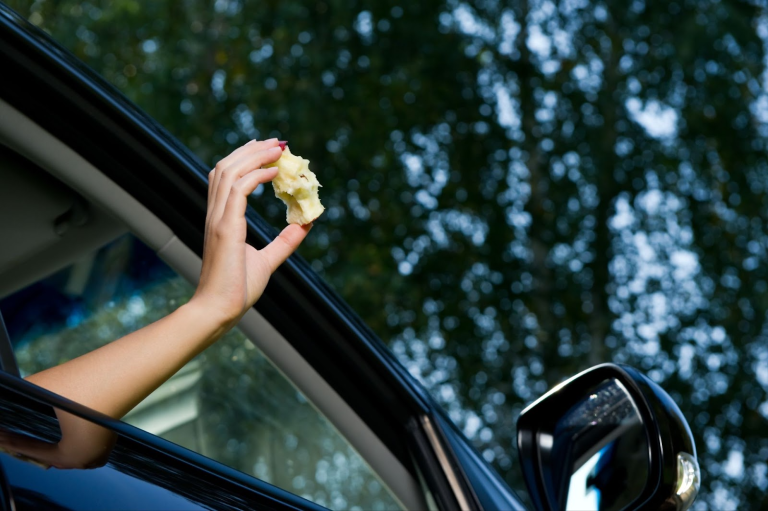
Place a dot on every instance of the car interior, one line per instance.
(55, 208)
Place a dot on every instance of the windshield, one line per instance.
(514, 191)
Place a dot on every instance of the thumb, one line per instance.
(284, 245)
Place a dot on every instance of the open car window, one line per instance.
(230, 403)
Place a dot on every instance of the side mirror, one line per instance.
(607, 439)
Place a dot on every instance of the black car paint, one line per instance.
(486, 484)
(70, 101)
(5, 493)
(673, 432)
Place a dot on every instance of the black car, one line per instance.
(92, 190)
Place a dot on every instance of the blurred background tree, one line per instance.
(515, 190)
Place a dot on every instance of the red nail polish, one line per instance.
(282, 144)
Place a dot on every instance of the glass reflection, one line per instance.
(605, 448)
(60, 440)
(52, 459)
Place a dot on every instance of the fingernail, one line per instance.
(282, 144)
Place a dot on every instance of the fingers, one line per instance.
(284, 245)
(229, 185)
(234, 155)
(237, 202)
(214, 176)
(251, 147)
(239, 168)
(238, 155)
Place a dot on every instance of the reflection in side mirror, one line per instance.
(605, 451)
(600, 440)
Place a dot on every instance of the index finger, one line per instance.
(253, 145)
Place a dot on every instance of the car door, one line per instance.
(63, 118)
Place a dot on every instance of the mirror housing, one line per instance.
(608, 438)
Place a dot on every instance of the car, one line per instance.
(303, 407)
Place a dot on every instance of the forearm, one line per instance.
(116, 377)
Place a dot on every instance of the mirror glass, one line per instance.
(598, 451)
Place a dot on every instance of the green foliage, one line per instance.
(515, 190)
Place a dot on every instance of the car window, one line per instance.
(230, 403)
(52, 459)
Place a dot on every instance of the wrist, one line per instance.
(209, 319)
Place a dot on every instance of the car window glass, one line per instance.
(230, 403)
(54, 460)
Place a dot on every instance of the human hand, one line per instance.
(234, 274)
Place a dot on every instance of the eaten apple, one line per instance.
(297, 187)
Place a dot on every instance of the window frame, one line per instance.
(7, 358)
